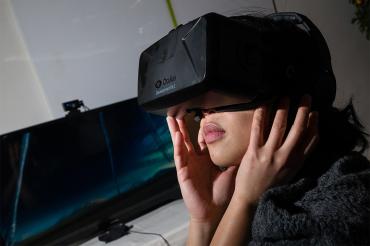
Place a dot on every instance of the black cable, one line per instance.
(151, 233)
(118, 229)
(275, 8)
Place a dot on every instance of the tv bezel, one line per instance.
(90, 223)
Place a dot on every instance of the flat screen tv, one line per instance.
(62, 181)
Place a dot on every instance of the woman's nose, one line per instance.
(206, 112)
(202, 113)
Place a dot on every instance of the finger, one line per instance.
(299, 126)
(185, 134)
(279, 125)
(228, 177)
(201, 141)
(232, 171)
(312, 135)
(256, 137)
(173, 127)
(311, 146)
(180, 151)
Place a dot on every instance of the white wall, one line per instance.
(22, 99)
(190, 9)
(89, 49)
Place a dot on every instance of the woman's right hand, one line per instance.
(206, 189)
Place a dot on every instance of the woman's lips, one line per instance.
(212, 132)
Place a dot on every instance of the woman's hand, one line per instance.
(278, 159)
(206, 189)
(266, 163)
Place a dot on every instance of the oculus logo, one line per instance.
(166, 84)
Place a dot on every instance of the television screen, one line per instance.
(74, 174)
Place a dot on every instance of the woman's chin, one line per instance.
(224, 156)
(223, 161)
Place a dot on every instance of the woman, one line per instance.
(274, 174)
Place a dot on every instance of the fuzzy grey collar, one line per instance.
(331, 210)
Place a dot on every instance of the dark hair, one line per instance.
(340, 134)
(340, 129)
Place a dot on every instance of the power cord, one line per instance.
(151, 233)
(118, 229)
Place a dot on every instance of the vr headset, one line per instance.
(259, 58)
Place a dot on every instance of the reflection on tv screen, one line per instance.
(53, 171)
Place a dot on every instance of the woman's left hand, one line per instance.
(277, 159)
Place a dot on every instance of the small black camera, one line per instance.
(72, 107)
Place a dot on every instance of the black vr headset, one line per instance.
(282, 54)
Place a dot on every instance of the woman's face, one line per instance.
(226, 134)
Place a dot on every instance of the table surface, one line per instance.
(170, 221)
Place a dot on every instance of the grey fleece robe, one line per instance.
(331, 210)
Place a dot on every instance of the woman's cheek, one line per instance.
(228, 152)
